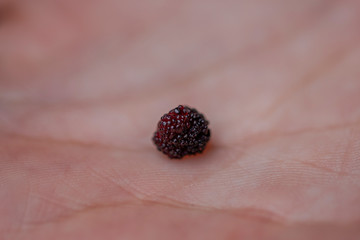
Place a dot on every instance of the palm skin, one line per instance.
(82, 86)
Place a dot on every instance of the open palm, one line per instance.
(83, 84)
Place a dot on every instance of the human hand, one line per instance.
(83, 84)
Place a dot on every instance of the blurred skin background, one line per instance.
(83, 84)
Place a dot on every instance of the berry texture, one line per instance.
(182, 131)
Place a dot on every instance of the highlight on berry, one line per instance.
(183, 131)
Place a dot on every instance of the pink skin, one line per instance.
(83, 84)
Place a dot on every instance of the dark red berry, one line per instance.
(183, 131)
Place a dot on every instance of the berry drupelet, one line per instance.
(182, 131)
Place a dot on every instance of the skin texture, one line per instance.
(83, 84)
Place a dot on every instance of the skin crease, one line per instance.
(83, 84)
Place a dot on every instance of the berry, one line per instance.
(182, 131)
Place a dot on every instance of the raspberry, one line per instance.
(183, 131)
